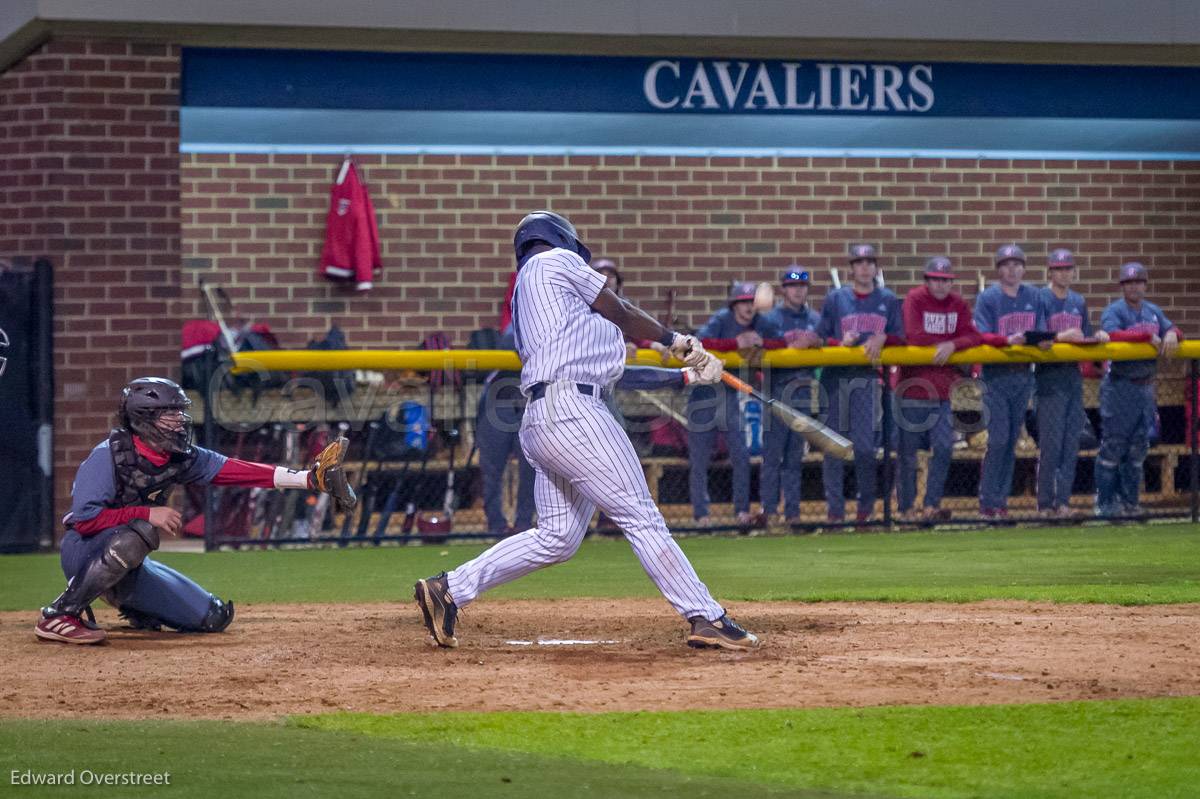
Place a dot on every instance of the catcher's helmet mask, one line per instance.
(155, 409)
(549, 228)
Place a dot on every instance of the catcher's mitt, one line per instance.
(327, 474)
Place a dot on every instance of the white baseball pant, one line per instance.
(584, 460)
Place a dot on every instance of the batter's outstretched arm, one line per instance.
(633, 321)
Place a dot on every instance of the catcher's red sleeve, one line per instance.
(245, 473)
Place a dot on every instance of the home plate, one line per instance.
(558, 642)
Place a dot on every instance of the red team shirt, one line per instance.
(927, 323)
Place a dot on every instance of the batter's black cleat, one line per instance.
(438, 608)
(722, 633)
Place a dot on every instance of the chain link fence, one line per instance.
(436, 456)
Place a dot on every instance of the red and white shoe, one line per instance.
(68, 630)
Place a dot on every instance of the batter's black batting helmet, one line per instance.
(548, 227)
(143, 403)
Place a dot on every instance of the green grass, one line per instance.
(1133, 748)
(1144, 748)
(1123, 565)
(271, 761)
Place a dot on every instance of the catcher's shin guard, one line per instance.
(328, 476)
(220, 616)
(125, 551)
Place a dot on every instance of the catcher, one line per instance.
(119, 509)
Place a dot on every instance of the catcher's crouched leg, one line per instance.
(122, 550)
(158, 596)
(98, 567)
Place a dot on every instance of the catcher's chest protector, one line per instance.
(138, 481)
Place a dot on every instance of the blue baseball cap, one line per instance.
(1010, 252)
(795, 274)
(1061, 258)
(939, 266)
(1133, 271)
(863, 252)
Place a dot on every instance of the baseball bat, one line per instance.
(665, 407)
(982, 282)
(837, 279)
(819, 435)
(410, 507)
(207, 289)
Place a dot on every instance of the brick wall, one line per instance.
(257, 221)
(89, 177)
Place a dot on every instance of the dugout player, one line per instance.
(569, 332)
(934, 316)
(867, 315)
(718, 409)
(1007, 311)
(1127, 402)
(118, 509)
(783, 449)
(497, 420)
(1058, 396)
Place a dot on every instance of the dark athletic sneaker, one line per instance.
(440, 612)
(722, 633)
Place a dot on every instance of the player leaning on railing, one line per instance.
(119, 507)
(1127, 402)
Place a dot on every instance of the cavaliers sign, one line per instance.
(787, 86)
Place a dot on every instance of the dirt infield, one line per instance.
(283, 659)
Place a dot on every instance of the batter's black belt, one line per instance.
(1137, 381)
(538, 390)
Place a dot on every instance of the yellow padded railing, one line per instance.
(435, 360)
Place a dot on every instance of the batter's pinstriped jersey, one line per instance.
(559, 336)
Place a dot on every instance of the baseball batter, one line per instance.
(1127, 394)
(867, 315)
(119, 505)
(1009, 309)
(1059, 389)
(569, 332)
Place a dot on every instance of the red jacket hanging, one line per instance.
(351, 249)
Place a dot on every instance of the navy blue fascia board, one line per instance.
(680, 86)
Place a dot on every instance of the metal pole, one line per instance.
(210, 442)
(1193, 464)
(886, 396)
(43, 277)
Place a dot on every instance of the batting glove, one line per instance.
(687, 349)
(705, 374)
